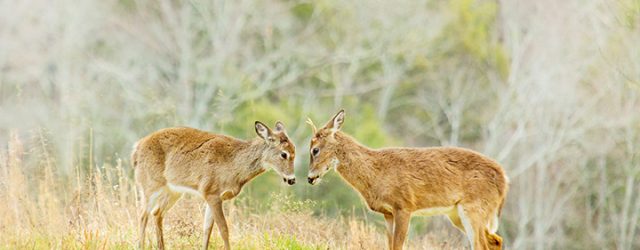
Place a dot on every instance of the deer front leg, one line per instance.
(400, 228)
(389, 220)
(207, 226)
(218, 216)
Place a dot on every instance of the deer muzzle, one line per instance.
(289, 181)
(312, 180)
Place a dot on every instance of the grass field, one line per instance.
(97, 209)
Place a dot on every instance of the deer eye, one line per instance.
(284, 155)
(315, 151)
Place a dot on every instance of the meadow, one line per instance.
(98, 208)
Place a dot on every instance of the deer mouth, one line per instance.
(313, 180)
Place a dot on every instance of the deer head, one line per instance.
(323, 148)
(280, 153)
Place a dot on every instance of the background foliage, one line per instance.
(548, 88)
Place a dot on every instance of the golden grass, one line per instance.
(97, 209)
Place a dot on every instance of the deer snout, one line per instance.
(289, 181)
(312, 180)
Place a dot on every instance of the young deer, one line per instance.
(173, 161)
(464, 185)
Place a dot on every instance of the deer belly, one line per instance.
(434, 211)
(183, 189)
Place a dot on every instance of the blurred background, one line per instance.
(550, 89)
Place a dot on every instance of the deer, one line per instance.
(175, 161)
(466, 186)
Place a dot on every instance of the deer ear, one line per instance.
(279, 127)
(336, 123)
(263, 131)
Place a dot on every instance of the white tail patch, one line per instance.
(493, 224)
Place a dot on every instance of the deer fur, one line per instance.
(173, 161)
(462, 184)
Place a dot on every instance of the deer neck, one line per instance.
(249, 160)
(355, 164)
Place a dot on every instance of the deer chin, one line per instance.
(316, 178)
(287, 177)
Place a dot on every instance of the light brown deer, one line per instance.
(174, 161)
(464, 185)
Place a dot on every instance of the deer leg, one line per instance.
(475, 225)
(151, 202)
(455, 220)
(480, 237)
(159, 237)
(208, 225)
(143, 225)
(400, 228)
(160, 204)
(494, 241)
(466, 224)
(218, 216)
(389, 219)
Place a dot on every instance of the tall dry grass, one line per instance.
(97, 209)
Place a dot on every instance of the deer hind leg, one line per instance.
(148, 203)
(493, 240)
(143, 225)
(159, 203)
(455, 219)
(467, 227)
(475, 221)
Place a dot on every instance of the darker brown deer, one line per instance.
(462, 184)
(174, 161)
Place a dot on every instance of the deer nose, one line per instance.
(289, 181)
(311, 180)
